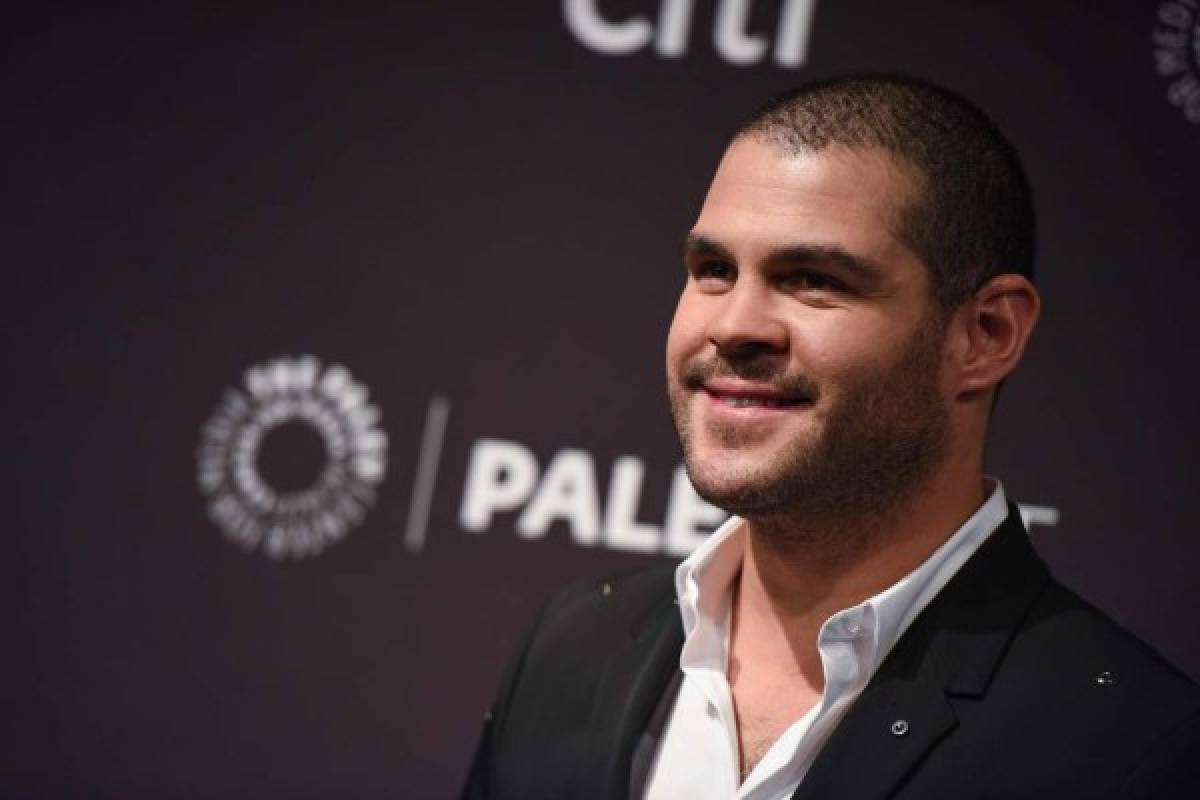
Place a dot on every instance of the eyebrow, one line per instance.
(796, 254)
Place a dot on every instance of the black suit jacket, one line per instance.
(1009, 686)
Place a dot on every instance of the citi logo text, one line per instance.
(671, 31)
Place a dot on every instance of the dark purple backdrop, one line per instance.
(465, 201)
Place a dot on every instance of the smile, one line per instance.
(748, 402)
(749, 399)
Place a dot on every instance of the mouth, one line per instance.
(748, 397)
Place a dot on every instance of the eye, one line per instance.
(809, 280)
(713, 273)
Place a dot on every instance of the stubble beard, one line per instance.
(878, 445)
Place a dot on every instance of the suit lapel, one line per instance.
(952, 648)
(901, 714)
(630, 688)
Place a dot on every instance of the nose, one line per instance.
(746, 323)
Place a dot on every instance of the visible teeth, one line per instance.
(744, 402)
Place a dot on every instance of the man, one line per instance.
(872, 622)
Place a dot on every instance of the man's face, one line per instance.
(803, 360)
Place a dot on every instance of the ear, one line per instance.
(990, 332)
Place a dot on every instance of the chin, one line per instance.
(728, 482)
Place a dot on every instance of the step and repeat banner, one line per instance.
(334, 344)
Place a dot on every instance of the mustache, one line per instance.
(798, 386)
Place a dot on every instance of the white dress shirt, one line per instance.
(697, 757)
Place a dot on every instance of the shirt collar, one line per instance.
(898, 605)
(703, 581)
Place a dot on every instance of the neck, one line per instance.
(799, 571)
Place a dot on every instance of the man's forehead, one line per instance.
(761, 190)
(871, 174)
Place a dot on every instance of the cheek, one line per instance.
(840, 352)
(826, 340)
(686, 334)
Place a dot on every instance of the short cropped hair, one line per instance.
(972, 217)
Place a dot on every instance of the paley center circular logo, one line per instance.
(334, 455)
(1177, 54)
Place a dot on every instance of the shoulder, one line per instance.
(1067, 632)
(1116, 715)
(618, 603)
(1060, 647)
(584, 624)
(562, 687)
